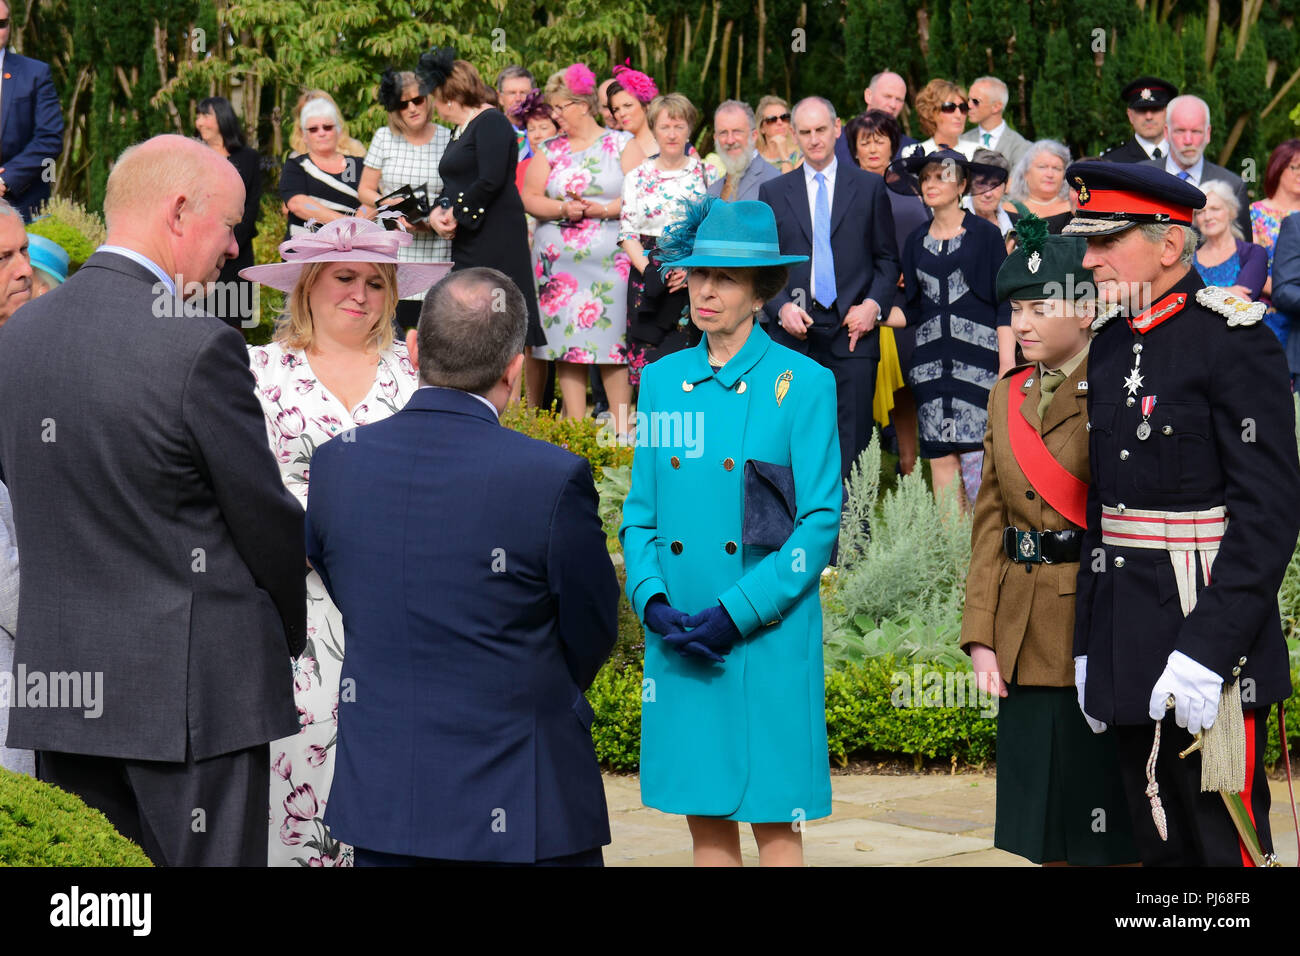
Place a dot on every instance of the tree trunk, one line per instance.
(713, 42)
(722, 60)
(740, 59)
(1286, 88)
(160, 54)
(762, 40)
(1238, 128)
(1211, 32)
(70, 130)
(923, 31)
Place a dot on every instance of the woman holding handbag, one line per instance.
(726, 530)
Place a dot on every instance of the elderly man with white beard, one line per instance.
(735, 134)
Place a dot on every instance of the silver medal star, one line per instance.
(1134, 381)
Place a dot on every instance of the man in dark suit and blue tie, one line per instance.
(31, 125)
(839, 216)
(479, 601)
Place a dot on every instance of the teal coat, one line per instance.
(745, 739)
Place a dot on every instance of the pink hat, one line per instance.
(348, 240)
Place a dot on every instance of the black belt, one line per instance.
(1042, 547)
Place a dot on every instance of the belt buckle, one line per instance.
(1029, 545)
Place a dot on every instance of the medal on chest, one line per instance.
(1134, 381)
(1144, 426)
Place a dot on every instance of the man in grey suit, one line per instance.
(1187, 128)
(988, 98)
(736, 133)
(163, 560)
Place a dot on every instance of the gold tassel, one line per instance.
(1223, 746)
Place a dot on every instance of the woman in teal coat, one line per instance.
(733, 719)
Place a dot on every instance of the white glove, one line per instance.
(1195, 689)
(1080, 681)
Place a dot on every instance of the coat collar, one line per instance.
(1074, 402)
(755, 347)
(450, 400)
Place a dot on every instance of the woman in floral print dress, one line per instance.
(574, 188)
(333, 365)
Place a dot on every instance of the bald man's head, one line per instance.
(176, 201)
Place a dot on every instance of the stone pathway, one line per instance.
(876, 820)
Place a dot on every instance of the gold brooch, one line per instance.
(783, 386)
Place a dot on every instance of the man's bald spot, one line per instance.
(151, 174)
(886, 75)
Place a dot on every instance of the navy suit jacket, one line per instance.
(862, 245)
(31, 131)
(479, 601)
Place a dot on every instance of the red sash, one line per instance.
(1060, 489)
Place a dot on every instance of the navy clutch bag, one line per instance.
(769, 505)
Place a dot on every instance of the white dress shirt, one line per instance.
(1194, 174)
(1149, 146)
(143, 260)
(808, 175)
(994, 135)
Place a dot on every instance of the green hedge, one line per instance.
(868, 711)
(41, 825)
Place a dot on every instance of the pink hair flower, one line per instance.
(580, 79)
(636, 83)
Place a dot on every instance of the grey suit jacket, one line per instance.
(159, 546)
(758, 172)
(1012, 145)
(1209, 172)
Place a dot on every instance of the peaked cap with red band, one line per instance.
(1114, 196)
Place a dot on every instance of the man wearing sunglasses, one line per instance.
(31, 125)
(988, 98)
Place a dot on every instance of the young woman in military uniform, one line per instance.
(1059, 798)
(733, 719)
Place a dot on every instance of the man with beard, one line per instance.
(735, 133)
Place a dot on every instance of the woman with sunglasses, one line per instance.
(776, 141)
(407, 152)
(320, 183)
(941, 108)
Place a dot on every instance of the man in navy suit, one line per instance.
(479, 601)
(31, 125)
(839, 216)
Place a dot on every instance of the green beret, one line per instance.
(1044, 266)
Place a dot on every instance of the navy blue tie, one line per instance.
(823, 263)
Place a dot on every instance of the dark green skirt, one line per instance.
(1059, 793)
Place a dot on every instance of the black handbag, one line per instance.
(413, 204)
(769, 505)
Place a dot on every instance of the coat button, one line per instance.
(1242, 661)
(675, 461)
(729, 463)
(1088, 427)
(730, 547)
(1119, 560)
(1123, 454)
(1120, 507)
(1167, 430)
(1029, 495)
(687, 386)
(740, 388)
(1130, 401)
(1236, 672)
(676, 547)
(1137, 348)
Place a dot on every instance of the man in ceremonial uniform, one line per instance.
(1193, 511)
(1146, 98)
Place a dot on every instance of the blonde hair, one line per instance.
(556, 85)
(298, 143)
(294, 328)
(405, 79)
(932, 96)
(763, 104)
(1223, 192)
(676, 106)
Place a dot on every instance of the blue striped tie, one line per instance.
(823, 263)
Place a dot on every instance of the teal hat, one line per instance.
(1044, 266)
(725, 235)
(48, 256)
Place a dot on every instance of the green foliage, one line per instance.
(867, 711)
(911, 638)
(271, 226)
(612, 485)
(615, 696)
(41, 825)
(913, 561)
(72, 226)
(582, 436)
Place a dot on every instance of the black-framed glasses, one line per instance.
(954, 107)
(4, 23)
(413, 101)
(776, 118)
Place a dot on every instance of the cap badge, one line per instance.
(1084, 195)
(1146, 94)
(1035, 261)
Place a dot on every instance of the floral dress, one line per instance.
(1265, 221)
(581, 271)
(300, 416)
